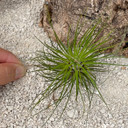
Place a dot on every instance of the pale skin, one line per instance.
(11, 67)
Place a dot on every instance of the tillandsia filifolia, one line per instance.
(70, 66)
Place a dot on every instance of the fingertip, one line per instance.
(20, 71)
(10, 72)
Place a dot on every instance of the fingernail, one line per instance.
(20, 72)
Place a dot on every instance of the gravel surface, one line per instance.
(18, 24)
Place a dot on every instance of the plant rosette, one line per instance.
(72, 66)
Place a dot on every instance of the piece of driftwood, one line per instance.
(64, 14)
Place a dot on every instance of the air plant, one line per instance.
(72, 66)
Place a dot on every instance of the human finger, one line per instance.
(10, 72)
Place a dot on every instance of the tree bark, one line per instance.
(64, 14)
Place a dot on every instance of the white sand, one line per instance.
(18, 24)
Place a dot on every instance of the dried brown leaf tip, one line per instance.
(123, 68)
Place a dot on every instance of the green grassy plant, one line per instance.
(72, 66)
